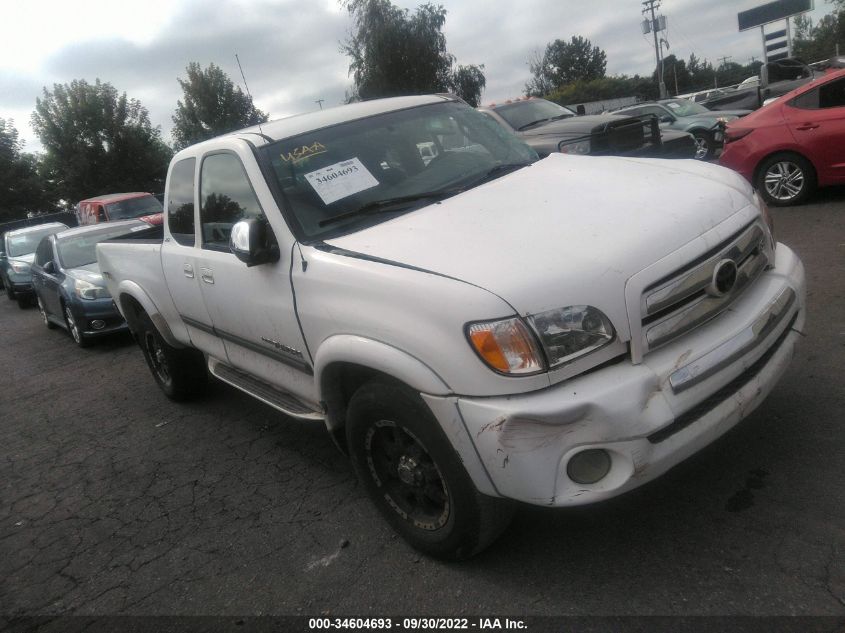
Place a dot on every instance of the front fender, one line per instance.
(378, 356)
(129, 290)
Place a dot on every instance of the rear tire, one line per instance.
(181, 373)
(414, 476)
(785, 179)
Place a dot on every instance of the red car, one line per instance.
(789, 147)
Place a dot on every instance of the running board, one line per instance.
(279, 400)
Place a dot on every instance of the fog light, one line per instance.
(98, 324)
(588, 467)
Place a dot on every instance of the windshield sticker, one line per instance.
(306, 151)
(341, 180)
(674, 106)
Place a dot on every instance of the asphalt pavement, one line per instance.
(116, 501)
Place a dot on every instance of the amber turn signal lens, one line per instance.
(506, 346)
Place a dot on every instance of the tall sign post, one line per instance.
(776, 44)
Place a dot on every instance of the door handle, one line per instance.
(188, 270)
(807, 126)
(207, 275)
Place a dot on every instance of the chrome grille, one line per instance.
(689, 297)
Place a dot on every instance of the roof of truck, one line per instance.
(309, 121)
(117, 197)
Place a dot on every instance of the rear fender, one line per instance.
(131, 297)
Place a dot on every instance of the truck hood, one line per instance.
(566, 230)
(572, 126)
(27, 259)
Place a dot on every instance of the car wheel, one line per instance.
(181, 373)
(47, 322)
(73, 328)
(785, 179)
(705, 146)
(10, 294)
(414, 476)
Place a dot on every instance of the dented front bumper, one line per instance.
(647, 416)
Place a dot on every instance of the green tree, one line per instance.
(212, 105)
(97, 141)
(395, 52)
(819, 42)
(468, 82)
(22, 188)
(565, 62)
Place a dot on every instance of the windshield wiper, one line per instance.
(496, 172)
(565, 115)
(381, 206)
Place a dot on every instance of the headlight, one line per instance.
(571, 332)
(581, 148)
(87, 290)
(506, 346)
(767, 216)
(21, 268)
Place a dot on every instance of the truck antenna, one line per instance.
(247, 88)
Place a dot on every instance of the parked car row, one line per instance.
(56, 267)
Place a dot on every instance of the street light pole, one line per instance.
(650, 6)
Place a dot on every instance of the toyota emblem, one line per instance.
(724, 278)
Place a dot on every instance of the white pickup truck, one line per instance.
(474, 329)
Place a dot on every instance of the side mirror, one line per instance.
(49, 267)
(252, 241)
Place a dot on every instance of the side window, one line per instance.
(44, 252)
(832, 95)
(226, 196)
(99, 213)
(807, 101)
(180, 204)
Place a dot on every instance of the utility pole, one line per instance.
(320, 103)
(722, 65)
(649, 7)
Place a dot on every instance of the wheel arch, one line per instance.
(343, 363)
(785, 151)
(132, 300)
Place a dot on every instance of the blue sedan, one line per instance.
(68, 284)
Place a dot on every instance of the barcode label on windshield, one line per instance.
(341, 180)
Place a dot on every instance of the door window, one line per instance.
(832, 95)
(226, 197)
(44, 253)
(180, 203)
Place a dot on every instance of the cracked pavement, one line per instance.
(114, 500)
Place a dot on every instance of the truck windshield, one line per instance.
(523, 114)
(342, 178)
(133, 208)
(683, 107)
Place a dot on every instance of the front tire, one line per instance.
(47, 322)
(414, 476)
(181, 373)
(73, 328)
(785, 179)
(705, 146)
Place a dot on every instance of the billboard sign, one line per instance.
(772, 12)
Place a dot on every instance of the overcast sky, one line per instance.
(290, 48)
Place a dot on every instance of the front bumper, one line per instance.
(98, 312)
(648, 416)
